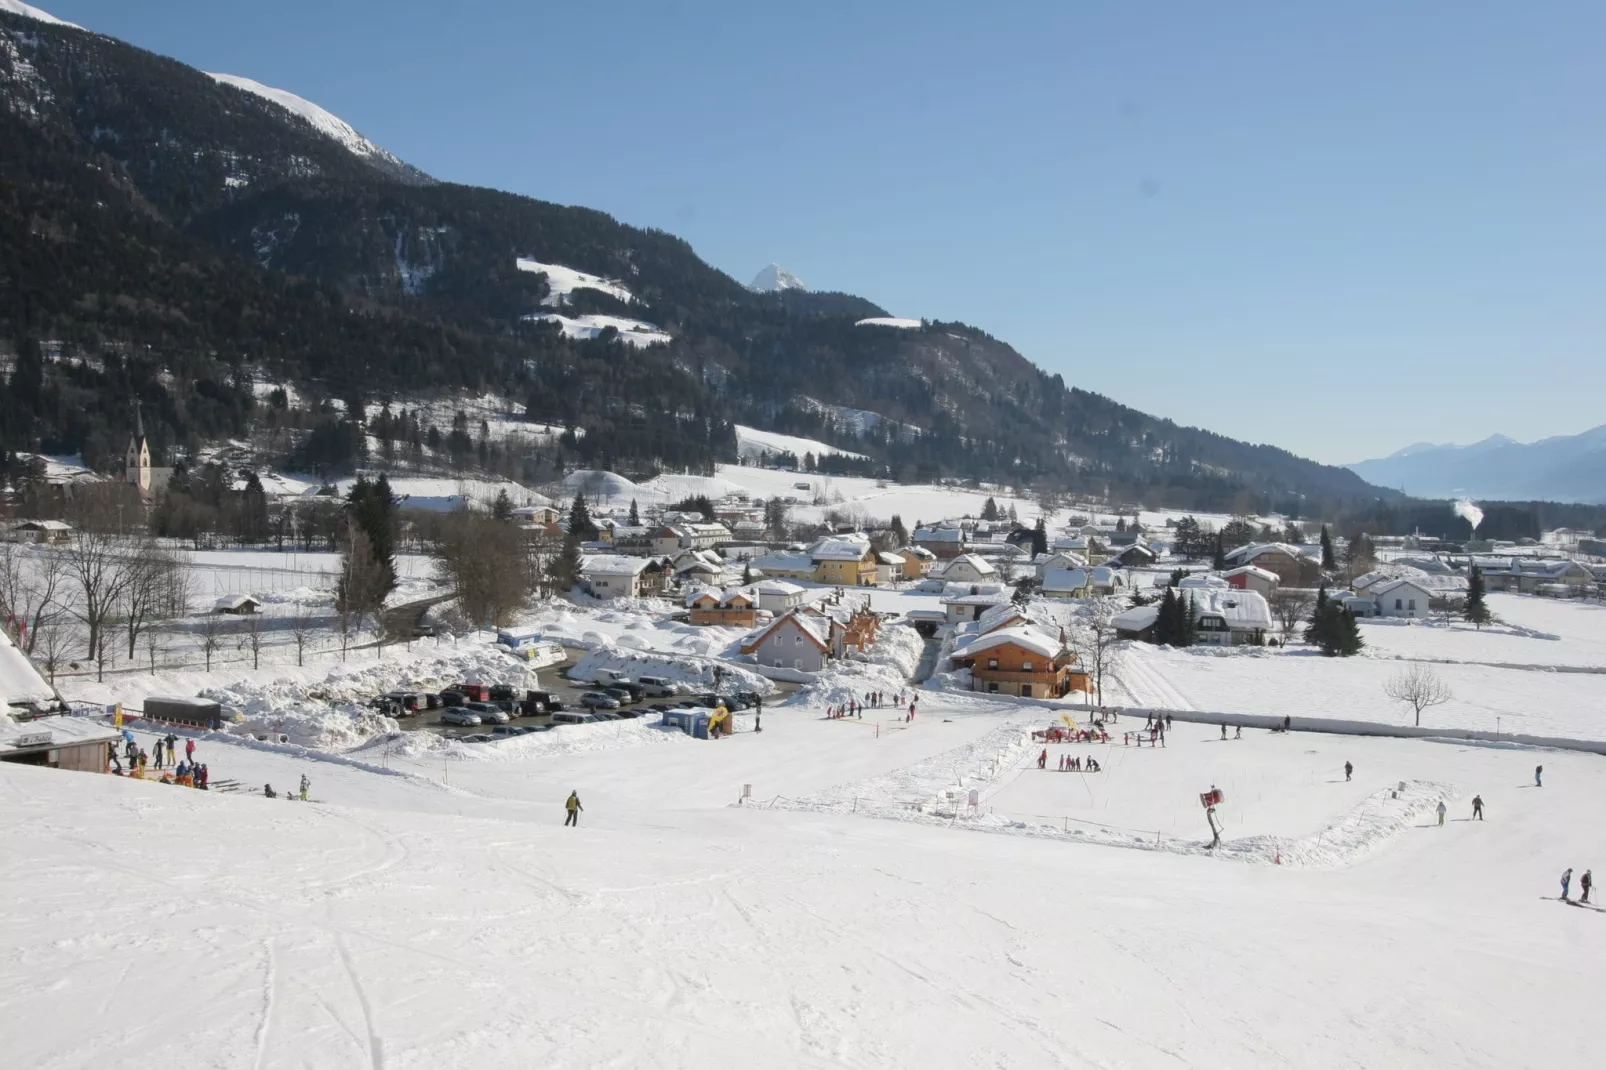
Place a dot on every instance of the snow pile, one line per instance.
(597, 485)
(695, 673)
(887, 666)
(900, 322)
(562, 281)
(324, 122)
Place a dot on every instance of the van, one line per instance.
(572, 718)
(656, 686)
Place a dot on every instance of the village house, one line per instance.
(944, 543)
(785, 566)
(1230, 617)
(736, 608)
(1137, 555)
(1137, 622)
(43, 531)
(917, 561)
(238, 605)
(613, 576)
(1405, 597)
(535, 514)
(1528, 575)
(778, 596)
(1043, 564)
(797, 640)
(963, 603)
(667, 540)
(888, 568)
(75, 743)
(1064, 583)
(968, 568)
(846, 561)
(1253, 578)
(1292, 566)
(1020, 660)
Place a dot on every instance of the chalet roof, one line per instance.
(1135, 619)
(784, 563)
(840, 548)
(1024, 637)
(1254, 550)
(780, 587)
(982, 567)
(62, 729)
(817, 628)
(889, 559)
(1064, 579)
(613, 565)
(20, 682)
(1240, 609)
(235, 601)
(1207, 581)
(938, 535)
(1251, 570)
(918, 551)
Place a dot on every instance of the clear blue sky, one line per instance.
(1339, 228)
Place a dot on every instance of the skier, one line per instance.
(172, 747)
(1566, 882)
(1586, 882)
(189, 750)
(1348, 771)
(1539, 774)
(1442, 809)
(1237, 732)
(1042, 759)
(267, 791)
(305, 784)
(573, 807)
(160, 754)
(1223, 731)
(1168, 721)
(1288, 723)
(1477, 807)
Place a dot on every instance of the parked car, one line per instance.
(620, 695)
(431, 701)
(508, 731)
(489, 712)
(504, 693)
(607, 715)
(537, 702)
(596, 700)
(409, 701)
(660, 707)
(450, 698)
(475, 737)
(657, 687)
(687, 705)
(630, 714)
(572, 718)
(707, 698)
(459, 715)
(748, 699)
(473, 692)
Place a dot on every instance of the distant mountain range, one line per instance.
(773, 278)
(1565, 468)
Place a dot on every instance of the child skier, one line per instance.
(1442, 809)
(1566, 882)
(1477, 807)
(1349, 770)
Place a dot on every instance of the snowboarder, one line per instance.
(1477, 807)
(1042, 759)
(1586, 882)
(267, 791)
(1539, 778)
(573, 807)
(305, 784)
(1566, 882)
(1349, 770)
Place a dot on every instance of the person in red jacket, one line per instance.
(1042, 759)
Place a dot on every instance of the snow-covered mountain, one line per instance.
(775, 277)
(28, 11)
(325, 122)
(1568, 468)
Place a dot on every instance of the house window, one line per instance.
(992, 663)
(1412, 606)
(992, 688)
(797, 639)
(1398, 605)
(1025, 666)
(797, 663)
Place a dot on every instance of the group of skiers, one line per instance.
(186, 771)
(1069, 764)
(1586, 884)
(873, 700)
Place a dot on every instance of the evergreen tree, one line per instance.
(990, 510)
(372, 507)
(635, 514)
(900, 534)
(1165, 620)
(1329, 562)
(1218, 560)
(502, 507)
(253, 510)
(563, 570)
(1318, 619)
(1476, 609)
(747, 573)
(1347, 641)
(1187, 621)
(1120, 523)
(1040, 537)
(581, 527)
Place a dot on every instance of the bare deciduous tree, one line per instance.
(1291, 608)
(31, 583)
(301, 632)
(483, 560)
(97, 565)
(53, 640)
(1418, 687)
(157, 588)
(253, 638)
(363, 581)
(209, 637)
(1096, 644)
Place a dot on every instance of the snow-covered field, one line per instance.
(750, 442)
(634, 332)
(428, 909)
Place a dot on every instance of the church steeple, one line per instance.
(137, 461)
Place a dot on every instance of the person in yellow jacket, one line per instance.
(573, 807)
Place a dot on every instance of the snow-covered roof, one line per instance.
(1207, 581)
(784, 563)
(1254, 550)
(43, 525)
(1256, 572)
(1240, 609)
(1064, 579)
(780, 587)
(888, 559)
(1413, 582)
(20, 682)
(840, 548)
(614, 565)
(1135, 619)
(938, 535)
(982, 567)
(235, 601)
(918, 551)
(816, 627)
(62, 729)
(1026, 638)
(983, 598)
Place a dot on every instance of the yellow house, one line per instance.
(917, 561)
(844, 561)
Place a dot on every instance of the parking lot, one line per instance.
(566, 691)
